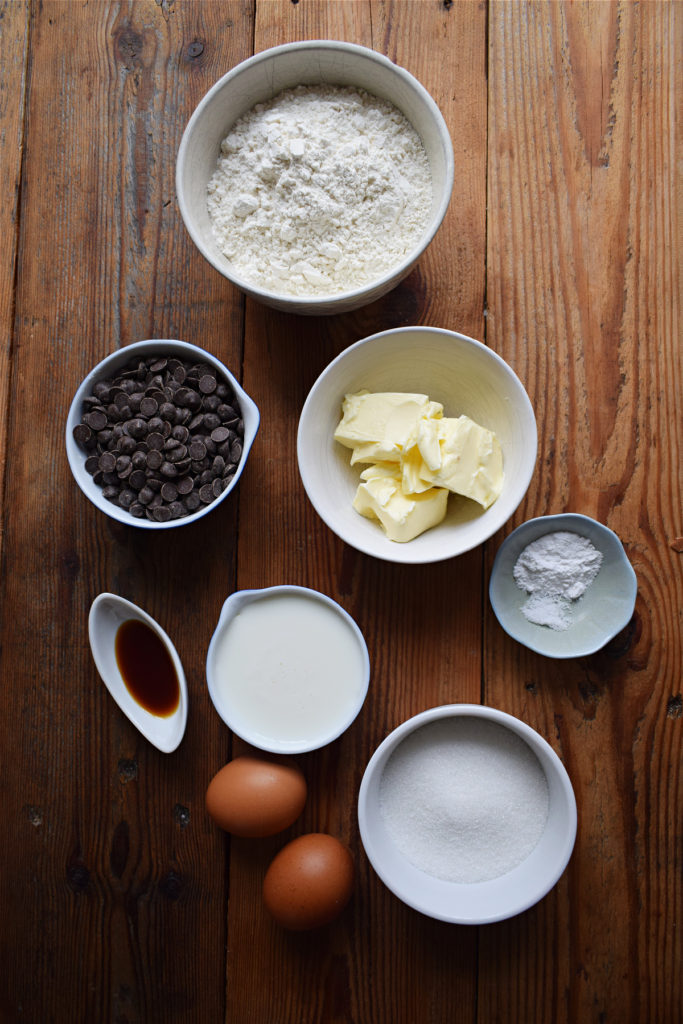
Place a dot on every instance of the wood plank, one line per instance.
(110, 868)
(582, 293)
(14, 19)
(379, 959)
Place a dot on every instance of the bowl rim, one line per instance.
(402, 555)
(231, 607)
(75, 456)
(539, 746)
(351, 295)
(557, 521)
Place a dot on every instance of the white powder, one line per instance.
(464, 800)
(555, 570)
(321, 190)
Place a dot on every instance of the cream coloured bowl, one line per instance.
(259, 79)
(467, 378)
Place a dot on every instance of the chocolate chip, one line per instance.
(145, 495)
(220, 434)
(148, 406)
(137, 479)
(167, 411)
(82, 434)
(197, 450)
(96, 420)
(207, 384)
(137, 428)
(155, 440)
(124, 466)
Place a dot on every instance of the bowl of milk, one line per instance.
(287, 668)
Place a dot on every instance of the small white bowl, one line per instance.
(107, 613)
(473, 902)
(277, 732)
(262, 77)
(109, 367)
(604, 609)
(467, 378)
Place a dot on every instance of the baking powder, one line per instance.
(321, 190)
(555, 570)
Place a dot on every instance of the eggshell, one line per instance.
(309, 882)
(253, 796)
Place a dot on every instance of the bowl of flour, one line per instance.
(314, 175)
(467, 814)
(562, 585)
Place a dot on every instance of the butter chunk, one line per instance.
(379, 425)
(403, 516)
(461, 456)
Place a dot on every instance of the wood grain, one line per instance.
(582, 296)
(13, 64)
(121, 901)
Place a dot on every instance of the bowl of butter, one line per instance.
(416, 444)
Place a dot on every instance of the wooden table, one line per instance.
(121, 901)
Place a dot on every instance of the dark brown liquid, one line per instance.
(147, 668)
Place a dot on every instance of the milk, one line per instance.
(290, 668)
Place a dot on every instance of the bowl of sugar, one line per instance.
(314, 175)
(562, 585)
(287, 668)
(467, 814)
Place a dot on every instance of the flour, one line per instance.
(321, 190)
(555, 570)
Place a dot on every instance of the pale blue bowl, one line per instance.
(605, 608)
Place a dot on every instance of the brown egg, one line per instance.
(253, 796)
(309, 882)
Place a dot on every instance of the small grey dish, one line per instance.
(604, 609)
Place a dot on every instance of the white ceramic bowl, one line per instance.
(109, 367)
(259, 79)
(604, 609)
(107, 613)
(472, 902)
(311, 715)
(467, 378)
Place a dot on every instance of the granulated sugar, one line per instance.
(464, 800)
(321, 190)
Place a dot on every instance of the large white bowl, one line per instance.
(109, 367)
(473, 902)
(262, 77)
(604, 609)
(467, 378)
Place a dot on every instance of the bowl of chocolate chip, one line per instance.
(159, 433)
